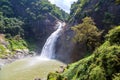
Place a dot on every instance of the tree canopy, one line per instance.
(87, 32)
(12, 26)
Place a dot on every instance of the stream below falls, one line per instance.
(29, 69)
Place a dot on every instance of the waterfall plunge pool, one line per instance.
(29, 69)
(35, 67)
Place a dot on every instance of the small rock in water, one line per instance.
(61, 69)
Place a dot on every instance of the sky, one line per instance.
(63, 4)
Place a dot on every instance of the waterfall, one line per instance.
(48, 50)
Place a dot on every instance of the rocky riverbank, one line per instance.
(18, 55)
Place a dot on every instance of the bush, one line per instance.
(87, 33)
(114, 35)
(17, 44)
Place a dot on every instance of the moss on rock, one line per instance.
(9, 46)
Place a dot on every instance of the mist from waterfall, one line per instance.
(48, 50)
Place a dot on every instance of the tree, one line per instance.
(88, 33)
(12, 26)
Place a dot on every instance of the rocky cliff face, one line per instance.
(64, 46)
(105, 13)
(68, 51)
(40, 30)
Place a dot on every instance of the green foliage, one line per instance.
(77, 7)
(103, 64)
(11, 44)
(10, 25)
(108, 18)
(99, 10)
(88, 33)
(116, 76)
(114, 35)
(3, 51)
(97, 73)
(31, 44)
(6, 8)
(17, 43)
(54, 76)
(38, 9)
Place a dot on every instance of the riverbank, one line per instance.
(18, 55)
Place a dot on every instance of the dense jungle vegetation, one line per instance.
(95, 21)
(19, 18)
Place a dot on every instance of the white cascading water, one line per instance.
(48, 50)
